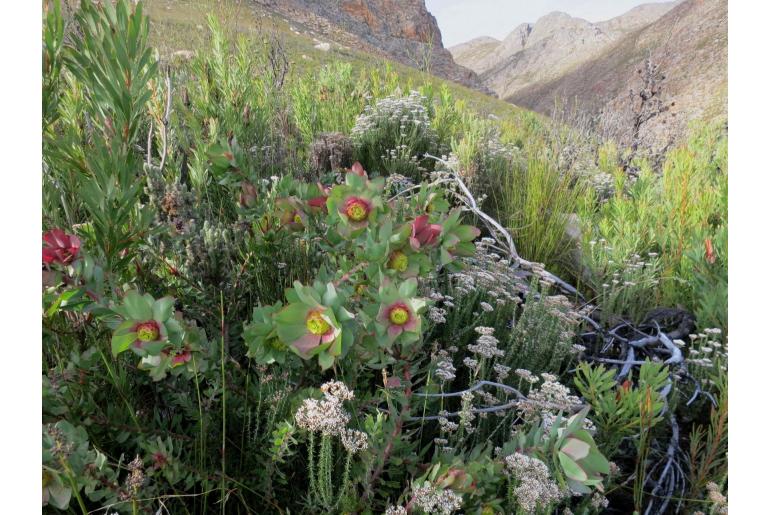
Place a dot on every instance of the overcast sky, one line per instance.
(461, 20)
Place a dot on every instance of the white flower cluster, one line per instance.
(546, 401)
(326, 416)
(446, 425)
(432, 500)
(526, 375)
(706, 349)
(445, 370)
(486, 345)
(599, 502)
(354, 441)
(407, 113)
(717, 497)
(487, 272)
(337, 390)
(466, 413)
(396, 510)
(437, 315)
(502, 371)
(535, 487)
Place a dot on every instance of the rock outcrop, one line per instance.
(402, 30)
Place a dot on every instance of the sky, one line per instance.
(462, 20)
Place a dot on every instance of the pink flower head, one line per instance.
(289, 214)
(180, 358)
(320, 329)
(146, 332)
(60, 247)
(424, 233)
(398, 317)
(356, 209)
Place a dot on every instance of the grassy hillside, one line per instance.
(181, 25)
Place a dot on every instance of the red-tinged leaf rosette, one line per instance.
(60, 248)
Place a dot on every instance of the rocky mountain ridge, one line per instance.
(402, 30)
(536, 52)
(688, 43)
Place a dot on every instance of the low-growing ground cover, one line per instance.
(333, 290)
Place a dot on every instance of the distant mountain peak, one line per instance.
(558, 40)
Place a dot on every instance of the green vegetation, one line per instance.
(235, 322)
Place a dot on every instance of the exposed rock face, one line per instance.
(402, 30)
(689, 43)
(539, 52)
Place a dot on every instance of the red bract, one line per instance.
(248, 196)
(319, 202)
(424, 233)
(711, 256)
(60, 248)
(181, 358)
(358, 169)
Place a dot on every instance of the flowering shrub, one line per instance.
(333, 317)
(393, 134)
(149, 329)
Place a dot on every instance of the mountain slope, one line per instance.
(545, 50)
(179, 26)
(689, 43)
(402, 30)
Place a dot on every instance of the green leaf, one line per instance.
(59, 495)
(162, 309)
(137, 306)
(326, 360)
(408, 288)
(571, 469)
(596, 462)
(467, 232)
(305, 294)
(122, 338)
(575, 448)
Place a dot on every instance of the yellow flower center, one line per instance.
(148, 331)
(316, 324)
(297, 219)
(357, 210)
(399, 315)
(399, 261)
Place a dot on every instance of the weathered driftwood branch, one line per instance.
(671, 475)
(479, 385)
(500, 233)
(487, 409)
(473, 388)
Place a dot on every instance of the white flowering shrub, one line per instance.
(393, 134)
